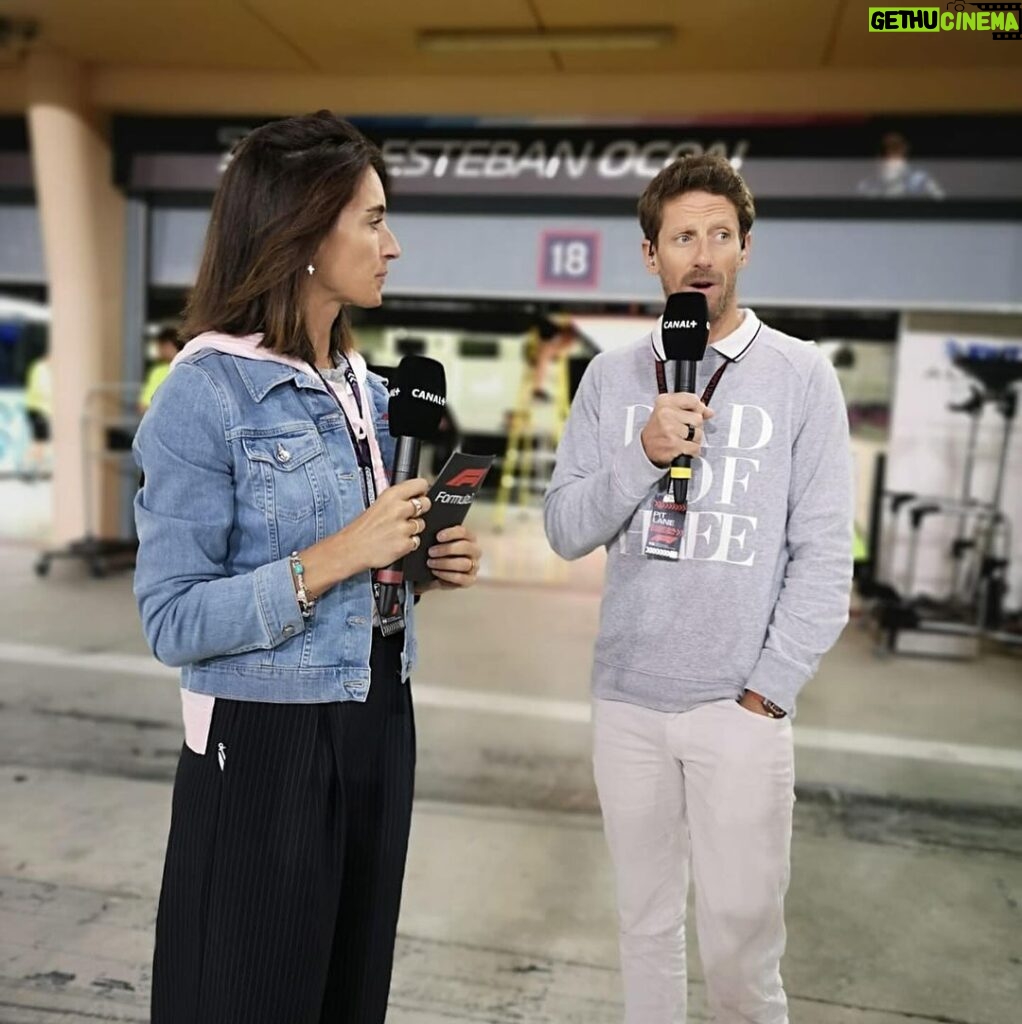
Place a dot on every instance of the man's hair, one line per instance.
(704, 173)
(169, 335)
(894, 144)
(280, 196)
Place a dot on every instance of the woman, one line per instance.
(264, 511)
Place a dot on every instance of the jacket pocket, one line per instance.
(284, 474)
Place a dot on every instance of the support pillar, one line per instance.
(82, 220)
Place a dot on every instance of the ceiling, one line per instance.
(379, 38)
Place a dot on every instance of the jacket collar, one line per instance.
(260, 369)
(261, 377)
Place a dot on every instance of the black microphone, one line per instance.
(418, 395)
(684, 329)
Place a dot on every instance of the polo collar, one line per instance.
(733, 347)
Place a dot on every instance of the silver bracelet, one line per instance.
(305, 603)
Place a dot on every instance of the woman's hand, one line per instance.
(391, 527)
(388, 530)
(454, 559)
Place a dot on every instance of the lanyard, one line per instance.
(661, 380)
(667, 519)
(363, 453)
(661, 373)
(364, 457)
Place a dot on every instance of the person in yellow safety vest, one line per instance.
(39, 410)
(166, 348)
(860, 551)
(546, 342)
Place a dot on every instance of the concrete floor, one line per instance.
(906, 900)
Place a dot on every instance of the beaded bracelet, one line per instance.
(305, 603)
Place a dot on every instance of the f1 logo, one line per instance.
(467, 478)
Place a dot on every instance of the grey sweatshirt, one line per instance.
(761, 590)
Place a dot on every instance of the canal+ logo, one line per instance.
(1000, 20)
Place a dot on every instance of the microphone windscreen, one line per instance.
(685, 326)
(418, 394)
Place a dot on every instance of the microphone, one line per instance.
(418, 396)
(684, 329)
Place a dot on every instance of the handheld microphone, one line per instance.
(684, 329)
(418, 396)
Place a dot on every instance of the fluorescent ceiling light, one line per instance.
(467, 41)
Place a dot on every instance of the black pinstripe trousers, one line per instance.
(282, 882)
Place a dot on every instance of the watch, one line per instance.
(772, 709)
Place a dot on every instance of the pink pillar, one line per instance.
(82, 219)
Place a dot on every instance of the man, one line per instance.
(895, 177)
(699, 661)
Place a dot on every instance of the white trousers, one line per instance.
(711, 790)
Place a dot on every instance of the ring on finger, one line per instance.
(417, 505)
(416, 542)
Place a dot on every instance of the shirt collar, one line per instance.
(733, 347)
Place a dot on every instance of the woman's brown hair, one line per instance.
(280, 196)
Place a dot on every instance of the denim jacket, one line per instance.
(246, 461)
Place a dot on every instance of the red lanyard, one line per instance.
(661, 379)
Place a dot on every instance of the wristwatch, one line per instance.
(773, 710)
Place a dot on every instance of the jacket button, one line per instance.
(289, 630)
(283, 455)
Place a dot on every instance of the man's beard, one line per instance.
(726, 295)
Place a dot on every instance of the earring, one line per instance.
(310, 270)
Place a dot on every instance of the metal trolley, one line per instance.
(956, 623)
(105, 439)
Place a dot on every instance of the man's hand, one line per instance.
(667, 433)
(752, 701)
